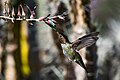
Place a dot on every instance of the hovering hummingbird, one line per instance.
(70, 49)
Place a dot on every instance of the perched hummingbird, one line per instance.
(70, 49)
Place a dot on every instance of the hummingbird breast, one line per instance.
(68, 51)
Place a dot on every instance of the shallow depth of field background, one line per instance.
(33, 52)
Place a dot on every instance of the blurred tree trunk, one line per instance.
(7, 59)
(18, 34)
(81, 21)
(16, 53)
(2, 36)
(1, 47)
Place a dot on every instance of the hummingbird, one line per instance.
(71, 49)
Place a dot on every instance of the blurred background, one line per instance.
(31, 50)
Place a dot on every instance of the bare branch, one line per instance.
(17, 19)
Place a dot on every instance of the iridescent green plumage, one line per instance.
(71, 50)
(71, 54)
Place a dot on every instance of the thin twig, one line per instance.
(18, 19)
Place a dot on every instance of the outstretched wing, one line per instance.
(85, 41)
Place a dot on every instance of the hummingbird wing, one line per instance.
(90, 34)
(79, 60)
(85, 41)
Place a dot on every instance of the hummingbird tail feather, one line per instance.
(82, 65)
(80, 61)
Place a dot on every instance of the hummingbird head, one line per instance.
(63, 38)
